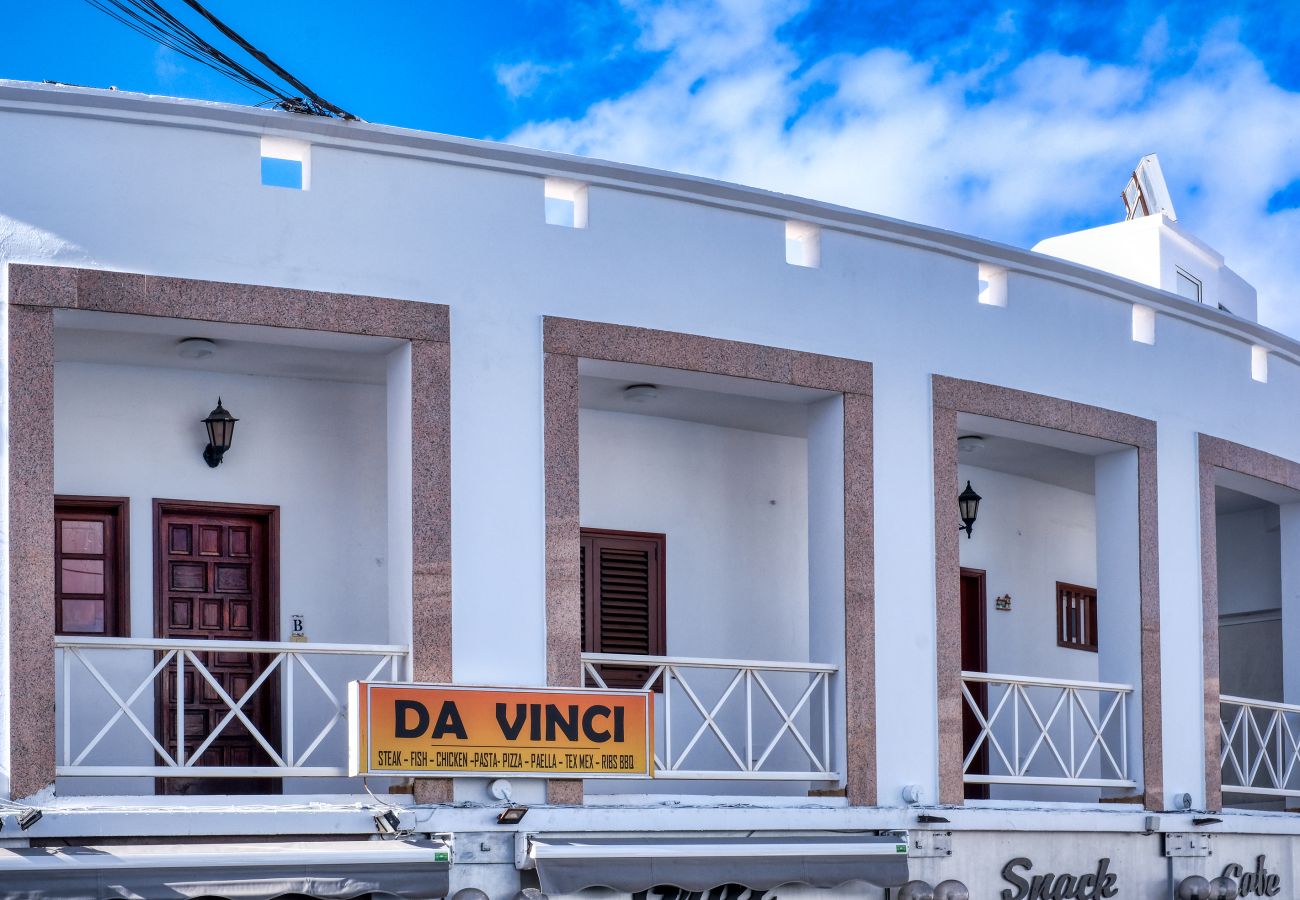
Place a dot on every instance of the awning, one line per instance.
(698, 864)
(330, 870)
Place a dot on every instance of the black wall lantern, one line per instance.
(221, 431)
(968, 502)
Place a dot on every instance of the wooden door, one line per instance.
(974, 658)
(216, 578)
(91, 579)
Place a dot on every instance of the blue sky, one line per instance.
(1013, 121)
(431, 66)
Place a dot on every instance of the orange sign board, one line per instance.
(449, 730)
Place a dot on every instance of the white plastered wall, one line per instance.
(398, 472)
(147, 197)
(1250, 604)
(315, 449)
(1030, 535)
(826, 637)
(733, 506)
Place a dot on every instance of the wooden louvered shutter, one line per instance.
(622, 592)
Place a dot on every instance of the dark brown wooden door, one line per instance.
(974, 658)
(90, 566)
(215, 579)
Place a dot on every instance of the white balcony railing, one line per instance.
(728, 719)
(1260, 748)
(1047, 731)
(111, 687)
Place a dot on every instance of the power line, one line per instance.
(152, 20)
(267, 61)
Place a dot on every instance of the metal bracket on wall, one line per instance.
(1186, 844)
(927, 844)
(523, 859)
(484, 847)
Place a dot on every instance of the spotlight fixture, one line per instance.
(387, 822)
(968, 504)
(221, 431)
(512, 815)
(29, 818)
(1206, 820)
(927, 819)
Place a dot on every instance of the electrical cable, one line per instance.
(152, 20)
(267, 61)
(137, 17)
(180, 42)
(386, 804)
(388, 807)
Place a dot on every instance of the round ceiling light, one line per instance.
(195, 348)
(970, 443)
(640, 393)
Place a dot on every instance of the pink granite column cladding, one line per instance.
(1153, 758)
(859, 602)
(1210, 632)
(31, 549)
(34, 291)
(947, 621)
(694, 353)
(563, 616)
(431, 607)
(252, 304)
(951, 396)
(1216, 453)
(566, 340)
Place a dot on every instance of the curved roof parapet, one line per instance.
(1049, 259)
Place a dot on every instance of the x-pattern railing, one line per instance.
(1260, 748)
(176, 656)
(800, 718)
(1068, 731)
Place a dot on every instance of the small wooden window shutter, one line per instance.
(622, 596)
(1076, 616)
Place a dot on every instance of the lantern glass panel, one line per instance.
(221, 433)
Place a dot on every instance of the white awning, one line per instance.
(330, 870)
(566, 865)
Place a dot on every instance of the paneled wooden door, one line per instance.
(216, 577)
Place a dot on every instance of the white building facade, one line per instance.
(466, 373)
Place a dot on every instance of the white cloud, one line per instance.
(524, 78)
(167, 65)
(1048, 144)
